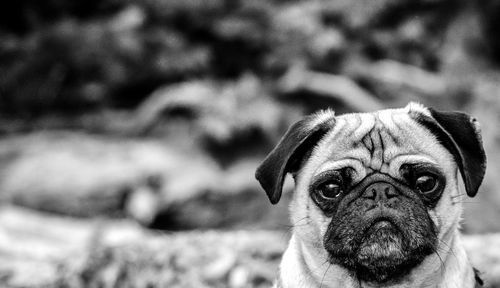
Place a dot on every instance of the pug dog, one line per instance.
(378, 198)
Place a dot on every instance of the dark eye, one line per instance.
(329, 190)
(426, 184)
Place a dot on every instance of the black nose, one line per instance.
(380, 192)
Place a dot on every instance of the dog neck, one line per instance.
(304, 265)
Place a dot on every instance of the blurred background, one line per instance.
(130, 130)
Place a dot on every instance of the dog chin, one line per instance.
(383, 255)
(380, 252)
(382, 241)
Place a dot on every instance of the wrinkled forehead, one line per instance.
(378, 140)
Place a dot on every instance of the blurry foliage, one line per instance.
(24, 16)
(489, 11)
(81, 56)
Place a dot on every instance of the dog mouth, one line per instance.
(382, 243)
(383, 247)
(382, 223)
(381, 239)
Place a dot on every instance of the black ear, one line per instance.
(290, 152)
(460, 134)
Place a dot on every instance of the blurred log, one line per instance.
(77, 174)
(215, 111)
(186, 99)
(331, 89)
(87, 176)
(398, 83)
(400, 76)
(170, 188)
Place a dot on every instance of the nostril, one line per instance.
(390, 192)
(380, 191)
(370, 194)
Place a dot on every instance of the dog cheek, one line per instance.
(447, 213)
(321, 222)
(306, 221)
(342, 234)
(421, 233)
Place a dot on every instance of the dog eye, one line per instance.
(329, 190)
(426, 184)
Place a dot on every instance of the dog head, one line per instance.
(377, 192)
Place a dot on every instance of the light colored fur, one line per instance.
(305, 264)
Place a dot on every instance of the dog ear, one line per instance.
(460, 134)
(290, 151)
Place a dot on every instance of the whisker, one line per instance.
(289, 227)
(324, 274)
(450, 249)
(301, 219)
(466, 202)
(440, 259)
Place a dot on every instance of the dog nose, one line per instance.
(380, 192)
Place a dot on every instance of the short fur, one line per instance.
(400, 239)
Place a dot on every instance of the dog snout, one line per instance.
(380, 192)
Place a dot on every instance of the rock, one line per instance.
(239, 278)
(220, 268)
(143, 205)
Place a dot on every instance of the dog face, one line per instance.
(377, 192)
